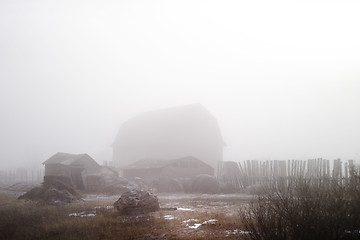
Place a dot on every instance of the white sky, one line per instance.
(281, 77)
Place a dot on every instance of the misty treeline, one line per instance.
(305, 209)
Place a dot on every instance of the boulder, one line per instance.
(134, 202)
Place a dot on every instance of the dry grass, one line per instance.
(25, 220)
(306, 210)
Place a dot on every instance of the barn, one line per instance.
(152, 169)
(76, 167)
(171, 133)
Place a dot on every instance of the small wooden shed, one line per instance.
(76, 167)
(152, 169)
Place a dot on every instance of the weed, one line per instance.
(21, 219)
(306, 209)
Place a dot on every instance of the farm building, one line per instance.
(76, 167)
(170, 134)
(151, 169)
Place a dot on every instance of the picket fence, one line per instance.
(254, 172)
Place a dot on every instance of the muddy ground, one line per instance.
(197, 216)
(182, 216)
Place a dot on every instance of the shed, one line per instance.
(152, 169)
(76, 167)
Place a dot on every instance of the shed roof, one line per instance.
(160, 163)
(69, 159)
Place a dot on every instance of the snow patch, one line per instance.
(191, 220)
(234, 232)
(169, 217)
(82, 214)
(211, 221)
(104, 207)
(195, 226)
(185, 209)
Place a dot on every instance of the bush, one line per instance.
(167, 185)
(306, 209)
(204, 183)
(24, 220)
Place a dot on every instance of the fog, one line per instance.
(281, 77)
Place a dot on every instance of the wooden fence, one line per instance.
(21, 175)
(252, 172)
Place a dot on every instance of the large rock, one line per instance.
(133, 202)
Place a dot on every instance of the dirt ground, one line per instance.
(197, 216)
(182, 216)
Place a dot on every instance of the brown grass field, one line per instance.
(196, 217)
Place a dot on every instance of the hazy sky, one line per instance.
(281, 77)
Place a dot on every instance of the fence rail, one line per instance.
(251, 172)
(21, 175)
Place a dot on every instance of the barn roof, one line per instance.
(178, 124)
(160, 163)
(69, 159)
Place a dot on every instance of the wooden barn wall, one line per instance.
(57, 170)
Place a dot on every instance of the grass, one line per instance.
(21, 219)
(306, 210)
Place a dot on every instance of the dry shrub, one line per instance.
(167, 185)
(306, 209)
(21, 219)
(204, 183)
(24, 220)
